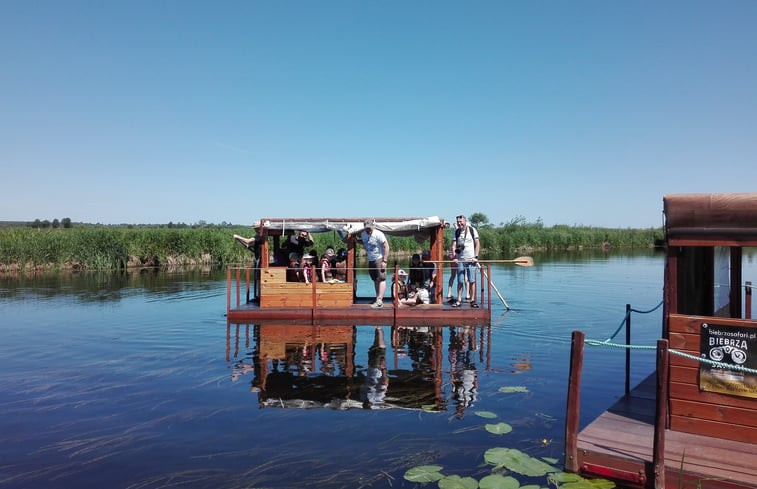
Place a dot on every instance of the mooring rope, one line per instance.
(625, 318)
(729, 366)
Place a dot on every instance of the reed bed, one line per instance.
(114, 248)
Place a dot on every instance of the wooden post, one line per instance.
(628, 350)
(239, 291)
(228, 289)
(573, 411)
(661, 414)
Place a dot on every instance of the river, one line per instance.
(135, 380)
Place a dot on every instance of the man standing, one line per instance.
(377, 250)
(466, 246)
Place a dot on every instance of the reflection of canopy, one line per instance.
(397, 226)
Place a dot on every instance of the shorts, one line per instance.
(377, 273)
(466, 268)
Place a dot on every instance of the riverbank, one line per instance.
(25, 250)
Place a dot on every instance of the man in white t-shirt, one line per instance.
(377, 250)
(465, 246)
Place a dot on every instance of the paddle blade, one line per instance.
(524, 261)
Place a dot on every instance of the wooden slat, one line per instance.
(715, 412)
(713, 429)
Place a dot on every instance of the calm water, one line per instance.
(137, 381)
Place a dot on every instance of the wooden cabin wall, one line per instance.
(693, 410)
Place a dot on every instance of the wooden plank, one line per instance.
(714, 429)
(691, 392)
(714, 412)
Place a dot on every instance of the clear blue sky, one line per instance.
(577, 112)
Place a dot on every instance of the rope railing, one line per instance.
(729, 366)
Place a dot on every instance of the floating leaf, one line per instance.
(567, 480)
(424, 473)
(513, 388)
(485, 414)
(457, 482)
(550, 460)
(563, 477)
(531, 486)
(499, 481)
(499, 428)
(517, 461)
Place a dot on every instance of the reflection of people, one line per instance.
(466, 246)
(377, 249)
(373, 390)
(463, 374)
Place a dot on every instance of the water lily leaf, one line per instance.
(563, 477)
(550, 460)
(499, 481)
(517, 461)
(457, 482)
(589, 484)
(499, 428)
(513, 388)
(485, 414)
(424, 473)
(531, 486)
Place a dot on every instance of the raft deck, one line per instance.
(618, 443)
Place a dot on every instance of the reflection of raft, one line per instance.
(314, 366)
(679, 428)
(265, 294)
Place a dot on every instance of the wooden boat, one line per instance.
(693, 422)
(263, 292)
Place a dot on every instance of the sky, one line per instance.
(578, 113)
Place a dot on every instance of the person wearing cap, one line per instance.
(306, 268)
(399, 287)
(377, 250)
(326, 265)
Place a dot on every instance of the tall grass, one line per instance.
(107, 248)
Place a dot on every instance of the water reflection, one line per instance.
(359, 367)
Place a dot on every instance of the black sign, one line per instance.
(728, 345)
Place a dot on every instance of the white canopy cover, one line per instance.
(405, 226)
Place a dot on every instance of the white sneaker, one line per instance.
(377, 304)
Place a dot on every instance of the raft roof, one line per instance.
(396, 226)
(730, 218)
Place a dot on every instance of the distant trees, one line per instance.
(479, 219)
(55, 224)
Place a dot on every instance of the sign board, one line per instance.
(730, 345)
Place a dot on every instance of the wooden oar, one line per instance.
(521, 261)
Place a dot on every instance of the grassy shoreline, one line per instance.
(115, 248)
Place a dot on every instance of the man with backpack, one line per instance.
(465, 247)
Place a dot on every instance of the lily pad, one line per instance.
(567, 480)
(550, 460)
(517, 461)
(499, 428)
(509, 389)
(485, 414)
(424, 473)
(499, 481)
(457, 482)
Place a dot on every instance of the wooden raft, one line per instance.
(622, 436)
